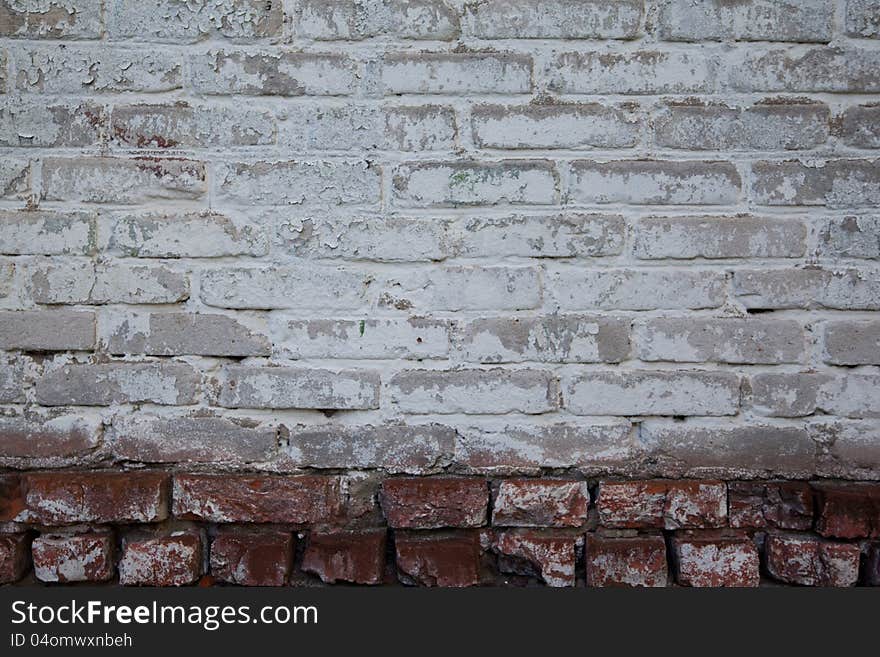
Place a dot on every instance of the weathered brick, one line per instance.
(183, 125)
(417, 449)
(357, 556)
(639, 72)
(464, 288)
(288, 387)
(654, 182)
(785, 394)
(749, 20)
(518, 448)
(838, 288)
(172, 334)
(313, 183)
(74, 558)
(185, 235)
(554, 236)
(719, 237)
(15, 178)
(650, 392)
(353, 237)
(546, 555)
(446, 560)
(355, 20)
(65, 498)
(276, 73)
(808, 561)
(47, 330)
(75, 124)
(16, 376)
(863, 18)
(431, 503)
(554, 126)
(852, 342)
(716, 560)
(832, 183)
(770, 126)
(55, 19)
(155, 439)
(546, 339)
(662, 504)
(474, 391)
(850, 448)
(453, 184)
(540, 503)
(14, 557)
(121, 181)
(12, 500)
(738, 341)
(80, 69)
(181, 22)
(298, 287)
(626, 561)
(850, 237)
(859, 126)
(252, 557)
(81, 281)
(456, 73)
(770, 505)
(387, 127)
(848, 510)
(804, 69)
(47, 233)
(171, 560)
(578, 288)
(106, 384)
(752, 450)
(296, 499)
(553, 19)
(47, 435)
(412, 338)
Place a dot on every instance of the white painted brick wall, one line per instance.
(508, 236)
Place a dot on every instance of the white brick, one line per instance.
(456, 73)
(353, 20)
(839, 289)
(553, 19)
(47, 233)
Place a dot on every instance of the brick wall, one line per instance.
(520, 249)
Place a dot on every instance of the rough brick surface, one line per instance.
(292, 251)
(626, 561)
(252, 558)
(171, 560)
(356, 557)
(433, 503)
(809, 561)
(14, 557)
(74, 558)
(716, 561)
(447, 560)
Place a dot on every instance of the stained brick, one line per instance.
(171, 560)
(252, 557)
(716, 560)
(356, 557)
(446, 560)
(808, 561)
(546, 555)
(626, 561)
(540, 503)
(436, 502)
(661, 504)
(86, 557)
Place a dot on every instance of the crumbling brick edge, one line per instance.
(171, 529)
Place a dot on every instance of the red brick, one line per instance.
(252, 557)
(431, 503)
(626, 561)
(848, 510)
(61, 498)
(11, 497)
(74, 558)
(14, 557)
(541, 503)
(716, 560)
(172, 560)
(451, 560)
(296, 499)
(353, 556)
(662, 504)
(770, 505)
(548, 556)
(872, 565)
(810, 561)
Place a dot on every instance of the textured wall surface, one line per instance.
(505, 238)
